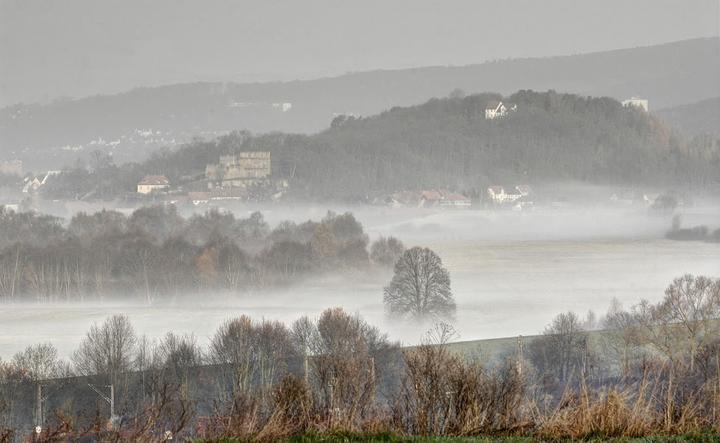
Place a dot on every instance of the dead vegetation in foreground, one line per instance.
(355, 385)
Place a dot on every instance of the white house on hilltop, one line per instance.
(637, 102)
(496, 109)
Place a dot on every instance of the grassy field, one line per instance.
(394, 438)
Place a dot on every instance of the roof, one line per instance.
(494, 104)
(155, 180)
(431, 195)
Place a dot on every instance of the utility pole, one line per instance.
(39, 402)
(110, 400)
(585, 362)
(520, 347)
(39, 412)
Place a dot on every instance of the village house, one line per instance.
(502, 195)
(243, 170)
(497, 109)
(32, 184)
(637, 102)
(429, 198)
(153, 183)
(443, 198)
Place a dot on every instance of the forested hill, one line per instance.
(448, 143)
(699, 118)
(130, 124)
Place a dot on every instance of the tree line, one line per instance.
(156, 252)
(447, 143)
(652, 369)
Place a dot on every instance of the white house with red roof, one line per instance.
(153, 183)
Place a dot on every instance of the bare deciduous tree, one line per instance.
(442, 393)
(420, 288)
(107, 349)
(622, 338)
(253, 353)
(40, 362)
(344, 366)
(563, 347)
(232, 346)
(685, 321)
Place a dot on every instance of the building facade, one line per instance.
(240, 170)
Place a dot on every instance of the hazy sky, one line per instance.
(52, 48)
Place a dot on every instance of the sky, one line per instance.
(75, 48)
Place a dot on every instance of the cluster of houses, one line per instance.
(426, 199)
(518, 197)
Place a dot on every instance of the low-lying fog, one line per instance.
(511, 273)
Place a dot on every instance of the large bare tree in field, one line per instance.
(420, 288)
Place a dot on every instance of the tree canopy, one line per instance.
(420, 288)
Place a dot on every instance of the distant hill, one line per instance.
(134, 123)
(444, 142)
(694, 119)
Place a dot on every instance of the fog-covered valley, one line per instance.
(511, 272)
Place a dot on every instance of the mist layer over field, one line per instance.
(511, 273)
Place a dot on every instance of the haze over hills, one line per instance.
(694, 119)
(80, 48)
(130, 125)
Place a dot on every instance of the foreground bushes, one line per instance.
(337, 375)
(461, 400)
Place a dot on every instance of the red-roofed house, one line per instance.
(153, 183)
